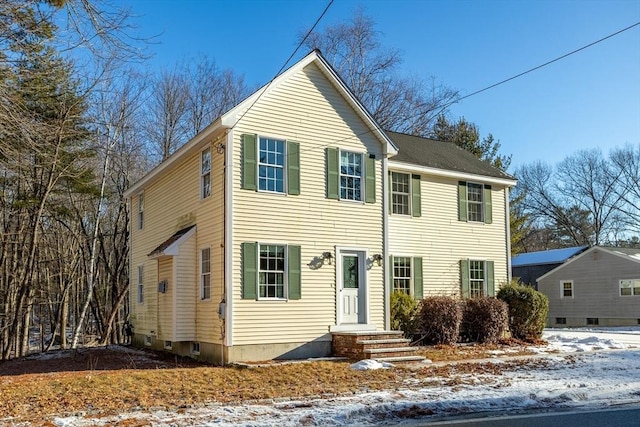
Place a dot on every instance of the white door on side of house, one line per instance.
(352, 287)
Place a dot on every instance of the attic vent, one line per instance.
(162, 286)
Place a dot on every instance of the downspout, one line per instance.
(385, 243)
(508, 234)
(228, 245)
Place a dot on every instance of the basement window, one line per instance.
(561, 320)
(592, 321)
(195, 348)
(147, 340)
(168, 345)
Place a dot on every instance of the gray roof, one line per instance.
(551, 256)
(441, 155)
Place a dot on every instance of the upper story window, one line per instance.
(271, 163)
(629, 287)
(566, 289)
(400, 193)
(140, 284)
(477, 278)
(205, 173)
(205, 274)
(474, 202)
(350, 175)
(140, 211)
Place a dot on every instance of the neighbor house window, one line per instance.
(592, 321)
(566, 289)
(400, 193)
(271, 163)
(140, 284)
(271, 271)
(629, 287)
(140, 211)
(402, 274)
(561, 320)
(475, 202)
(205, 274)
(205, 173)
(350, 176)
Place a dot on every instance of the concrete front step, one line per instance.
(400, 359)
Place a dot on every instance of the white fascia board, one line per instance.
(190, 147)
(409, 167)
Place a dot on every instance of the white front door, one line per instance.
(352, 287)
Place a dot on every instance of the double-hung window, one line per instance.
(271, 164)
(477, 277)
(402, 274)
(474, 202)
(205, 173)
(350, 176)
(629, 287)
(400, 193)
(205, 274)
(140, 211)
(140, 284)
(566, 289)
(272, 271)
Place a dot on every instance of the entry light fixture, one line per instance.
(327, 256)
(377, 258)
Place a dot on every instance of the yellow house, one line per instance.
(270, 229)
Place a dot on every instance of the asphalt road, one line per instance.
(627, 417)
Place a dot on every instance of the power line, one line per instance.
(286, 62)
(546, 63)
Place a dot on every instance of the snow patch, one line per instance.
(370, 364)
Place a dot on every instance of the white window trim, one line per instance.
(362, 178)
(285, 279)
(573, 291)
(484, 274)
(285, 166)
(409, 195)
(141, 211)
(201, 274)
(140, 284)
(393, 274)
(168, 345)
(148, 340)
(632, 294)
(203, 174)
(482, 203)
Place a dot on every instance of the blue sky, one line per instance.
(588, 100)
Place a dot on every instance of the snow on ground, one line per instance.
(573, 375)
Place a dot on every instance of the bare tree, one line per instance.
(625, 168)
(403, 104)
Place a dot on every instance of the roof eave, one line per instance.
(412, 167)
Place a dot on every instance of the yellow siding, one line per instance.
(172, 202)
(165, 300)
(186, 293)
(443, 241)
(306, 109)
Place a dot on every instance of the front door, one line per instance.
(352, 290)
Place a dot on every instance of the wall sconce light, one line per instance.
(327, 256)
(377, 258)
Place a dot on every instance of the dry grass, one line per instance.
(38, 395)
(450, 353)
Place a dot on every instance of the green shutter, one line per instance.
(417, 278)
(416, 197)
(462, 201)
(293, 168)
(370, 179)
(488, 209)
(294, 265)
(249, 270)
(390, 273)
(491, 289)
(464, 277)
(249, 162)
(333, 177)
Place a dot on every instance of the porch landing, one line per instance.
(383, 346)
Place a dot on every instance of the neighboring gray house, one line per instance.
(601, 286)
(531, 265)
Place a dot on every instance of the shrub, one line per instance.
(528, 310)
(403, 312)
(484, 320)
(438, 321)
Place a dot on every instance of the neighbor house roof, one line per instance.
(441, 155)
(552, 256)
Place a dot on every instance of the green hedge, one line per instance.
(528, 310)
